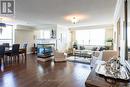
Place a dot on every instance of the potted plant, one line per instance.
(109, 43)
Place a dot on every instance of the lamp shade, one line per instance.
(2, 25)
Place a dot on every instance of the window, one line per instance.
(6, 35)
(82, 37)
(91, 37)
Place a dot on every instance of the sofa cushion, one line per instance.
(109, 54)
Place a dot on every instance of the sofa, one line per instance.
(102, 55)
(93, 47)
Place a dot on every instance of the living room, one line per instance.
(61, 42)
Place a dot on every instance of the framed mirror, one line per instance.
(127, 32)
(118, 36)
(128, 28)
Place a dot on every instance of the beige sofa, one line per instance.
(109, 54)
(97, 56)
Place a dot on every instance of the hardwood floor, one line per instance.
(43, 74)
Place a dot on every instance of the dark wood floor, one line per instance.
(40, 74)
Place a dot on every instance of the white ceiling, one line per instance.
(39, 12)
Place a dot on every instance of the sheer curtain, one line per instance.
(6, 35)
(97, 37)
(82, 37)
(90, 37)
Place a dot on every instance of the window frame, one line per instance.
(90, 31)
(12, 35)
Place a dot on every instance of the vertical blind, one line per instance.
(90, 37)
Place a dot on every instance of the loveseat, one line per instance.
(102, 55)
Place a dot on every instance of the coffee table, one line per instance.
(96, 80)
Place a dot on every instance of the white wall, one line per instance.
(63, 38)
(25, 36)
(39, 32)
(108, 33)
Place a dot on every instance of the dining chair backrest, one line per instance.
(25, 46)
(6, 45)
(2, 50)
(15, 49)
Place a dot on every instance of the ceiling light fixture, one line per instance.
(75, 20)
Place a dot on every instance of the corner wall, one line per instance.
(23, 36)
(63, 38)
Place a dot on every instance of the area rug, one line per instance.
(79, 59)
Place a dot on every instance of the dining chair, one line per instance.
(25, 46)
(6, 45)
(23, 50)
(2, 51)
(14, 52)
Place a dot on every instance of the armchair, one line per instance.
(59, 57)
